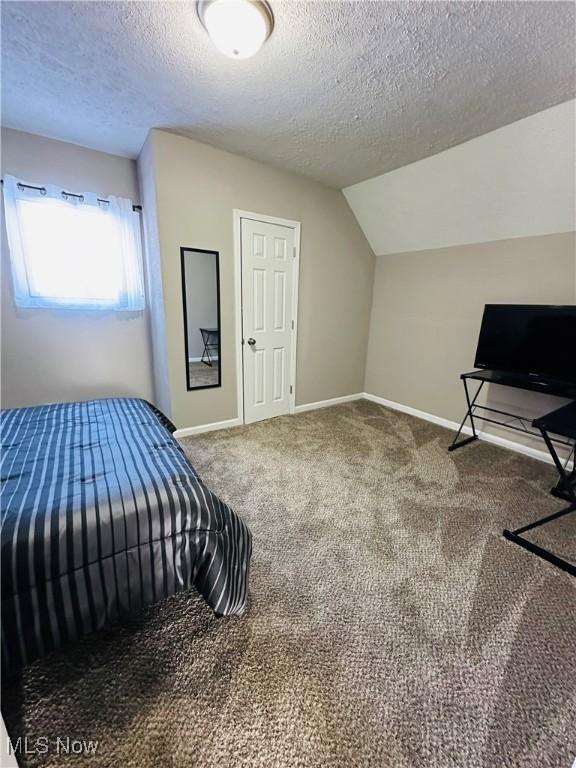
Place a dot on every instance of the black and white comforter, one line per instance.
(102, 514)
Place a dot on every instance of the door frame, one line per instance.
(238, 215)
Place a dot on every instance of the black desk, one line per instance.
(211, 341)
(524, 381)
(516, 422)
(561, 422)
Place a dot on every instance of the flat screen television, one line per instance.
(531, 339)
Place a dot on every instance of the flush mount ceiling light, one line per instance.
(238, 28)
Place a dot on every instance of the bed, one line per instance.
(103, 514)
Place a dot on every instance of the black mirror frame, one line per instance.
(183, 251)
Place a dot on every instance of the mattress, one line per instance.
(102, 514)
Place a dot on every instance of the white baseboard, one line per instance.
(411, 411)
(327, 403)
(198, 430)
(511, 445)
(187, 431)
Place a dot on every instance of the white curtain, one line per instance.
(73, 252)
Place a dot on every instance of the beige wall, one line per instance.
(60, 355)
(196, 188)
(491, 220)
(428, 307)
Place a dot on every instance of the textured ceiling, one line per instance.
(341, 92)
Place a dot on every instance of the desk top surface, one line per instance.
(561, 422)
(524, 381)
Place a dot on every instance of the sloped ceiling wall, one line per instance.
(489, 221)
(517, 181)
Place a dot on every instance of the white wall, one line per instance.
(517, 181)
(63, 355)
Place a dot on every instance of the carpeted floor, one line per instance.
(201, 375)
(390, 624)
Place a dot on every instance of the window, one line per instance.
(73, 252)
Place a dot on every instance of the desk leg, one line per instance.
(469, 415)
(565, 483)
(565, 488)
(545, 554)
(560, 491)
(206, 353)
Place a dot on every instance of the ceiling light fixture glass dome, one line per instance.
(238, 28)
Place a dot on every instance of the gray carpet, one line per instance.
(390, 624)
(201, 375)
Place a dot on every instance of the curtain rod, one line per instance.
(67, 194)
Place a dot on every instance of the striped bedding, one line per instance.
(102, 514)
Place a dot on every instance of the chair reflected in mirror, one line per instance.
(201, 304)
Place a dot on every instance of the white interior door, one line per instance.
(268, 273)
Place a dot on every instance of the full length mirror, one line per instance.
(201, 300)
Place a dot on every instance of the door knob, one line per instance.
(251, 342)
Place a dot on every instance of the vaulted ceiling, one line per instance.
(341, 92)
